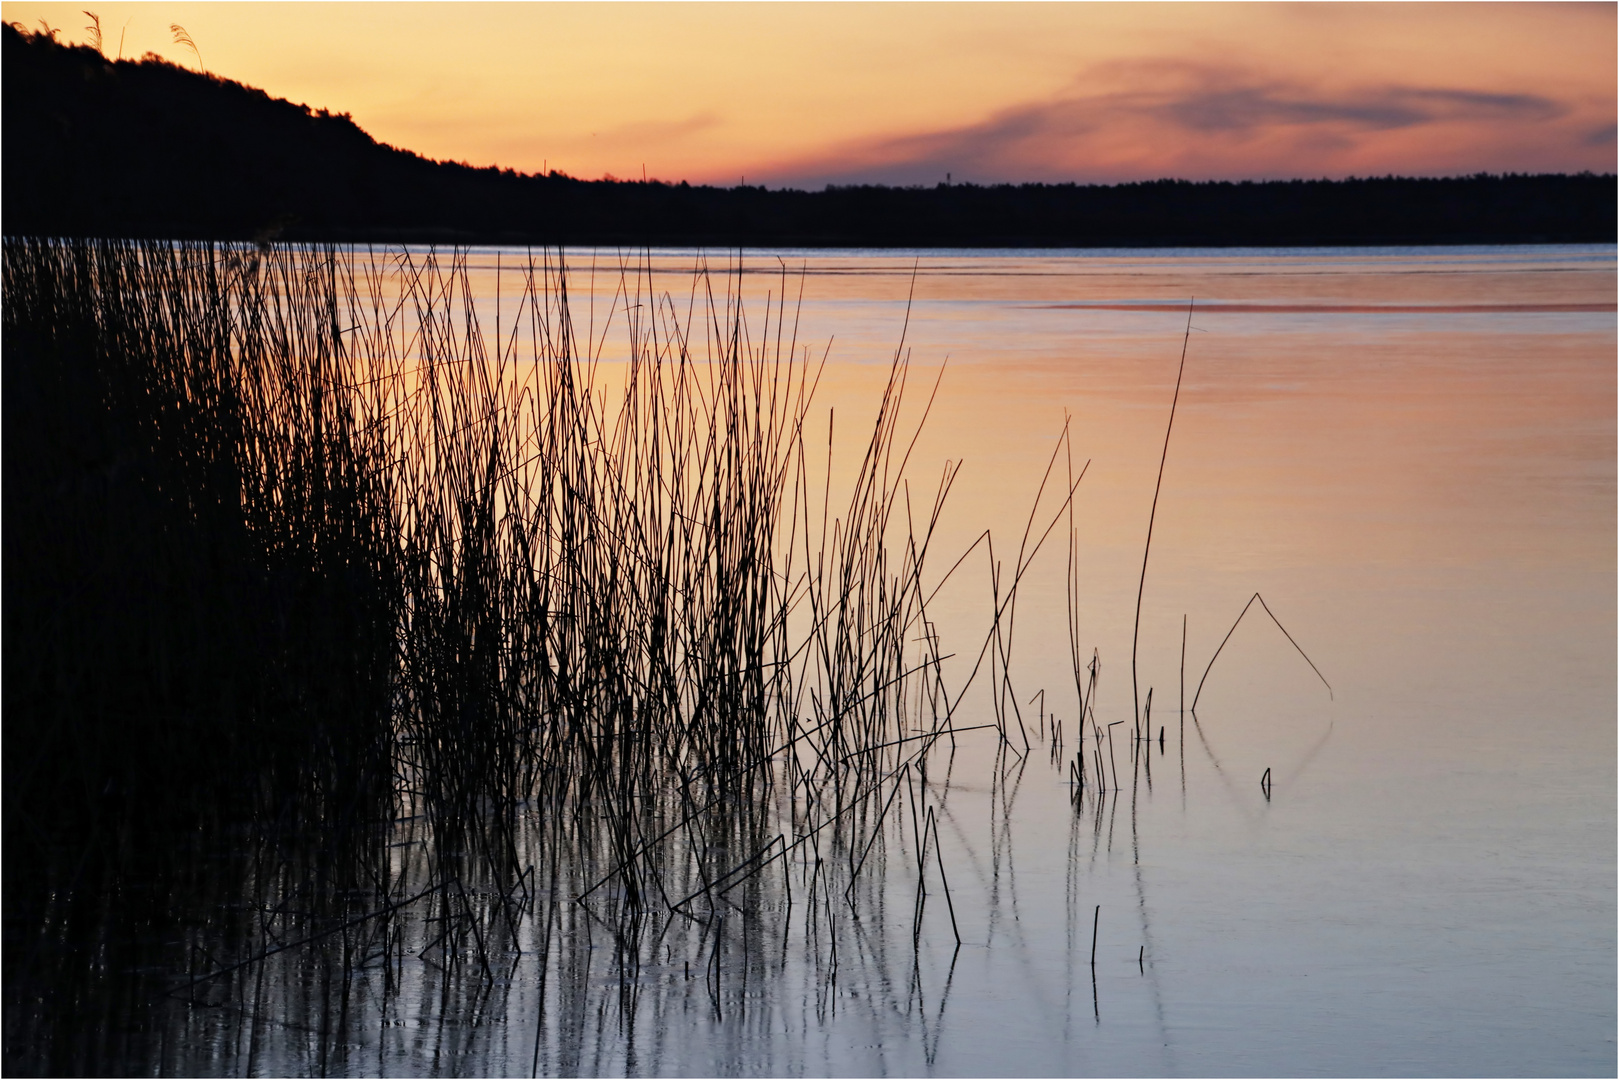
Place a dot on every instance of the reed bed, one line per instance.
(340, 625)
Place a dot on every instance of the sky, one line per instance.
(803, 95)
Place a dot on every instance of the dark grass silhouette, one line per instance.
(151, 149)
(335, 625)
(358, 653)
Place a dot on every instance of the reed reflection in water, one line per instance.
(1364, 437)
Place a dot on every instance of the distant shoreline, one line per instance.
(152, 150)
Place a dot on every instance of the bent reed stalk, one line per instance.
(296, 547)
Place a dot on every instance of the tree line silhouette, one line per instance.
(99, 147)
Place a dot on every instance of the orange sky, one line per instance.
(806, 94)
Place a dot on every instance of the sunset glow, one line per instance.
(804, 95)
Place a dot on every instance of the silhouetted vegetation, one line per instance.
(303, 568)
(150, 149)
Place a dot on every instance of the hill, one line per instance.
(94, 147)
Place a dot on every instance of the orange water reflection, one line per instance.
(1411, 456)
(1409, 452)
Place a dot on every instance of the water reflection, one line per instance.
(470, 977)
(1409, 453)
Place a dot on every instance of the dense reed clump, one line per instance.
(198, 605)
(305, 566)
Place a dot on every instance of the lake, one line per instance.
(1408, 453)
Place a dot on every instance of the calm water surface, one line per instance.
(1410, 454)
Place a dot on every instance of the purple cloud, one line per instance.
(1194, 120)
(1377, 109)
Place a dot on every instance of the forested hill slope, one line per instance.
(126, 148)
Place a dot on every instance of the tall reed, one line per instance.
(302, 558)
